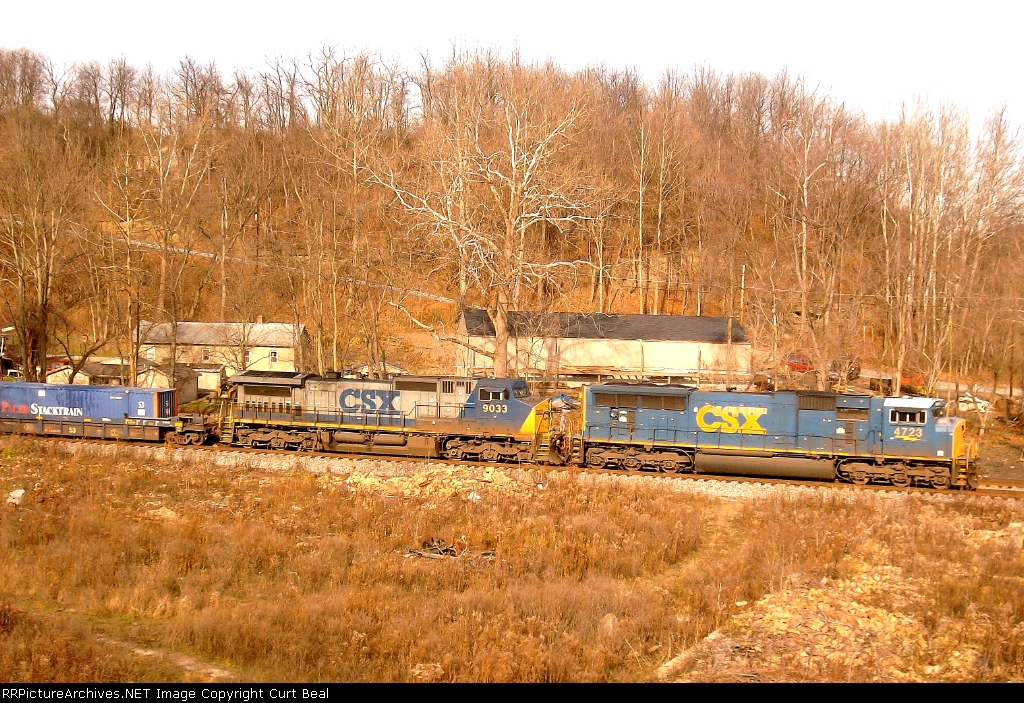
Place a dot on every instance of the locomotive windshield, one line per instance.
(521, 391)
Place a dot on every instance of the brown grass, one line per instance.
(291, 576)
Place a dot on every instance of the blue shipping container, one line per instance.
(85, 403)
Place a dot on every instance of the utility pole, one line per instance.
(135, 345)
(743, 289)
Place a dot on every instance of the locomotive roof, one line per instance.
(251, 334)
(576, 325)
(911, 402)
(271, 378)
(644, 387)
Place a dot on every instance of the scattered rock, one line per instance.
(427, 672)
(609, 623)
(828, 631)
(15, 497)
(1013, 535)
(678, 664)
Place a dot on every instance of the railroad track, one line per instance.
(991, 487)
(1003, 482)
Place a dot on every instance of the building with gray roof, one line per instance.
(587, 346)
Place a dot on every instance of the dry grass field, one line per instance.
(118, 568)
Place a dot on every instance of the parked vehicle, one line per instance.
(850, 366)
(799, 361)
(969, 402)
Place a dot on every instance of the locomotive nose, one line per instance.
(959, 449)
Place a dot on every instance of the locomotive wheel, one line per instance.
(900, 479)
(196, 439)
(631, 463)
(595, 459)
(276, 443)
(859, 477)
(669, 466)
(940, 481)
(489, 454)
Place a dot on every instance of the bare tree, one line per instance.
(41, 176)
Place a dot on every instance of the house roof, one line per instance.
(222, 334)
(271, 378)
(574, 325)
(207, 368)
(106, 369)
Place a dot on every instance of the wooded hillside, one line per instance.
(363, 199)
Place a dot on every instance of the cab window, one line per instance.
(907, 417)
(494, 394)
(521, 392)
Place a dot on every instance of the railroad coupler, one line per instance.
(192, 429)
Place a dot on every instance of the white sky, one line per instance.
(872, 55)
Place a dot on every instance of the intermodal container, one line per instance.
(78, 403)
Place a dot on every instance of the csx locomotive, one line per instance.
(806, 434)
(800, 434)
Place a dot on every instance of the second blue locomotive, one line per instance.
(805, 434)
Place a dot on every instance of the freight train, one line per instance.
(661, 428)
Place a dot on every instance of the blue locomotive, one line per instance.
(490, 419)
(806, 434)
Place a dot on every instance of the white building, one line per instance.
(217, 350)
(588, 347)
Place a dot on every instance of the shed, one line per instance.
(211, 377)
(587, 346)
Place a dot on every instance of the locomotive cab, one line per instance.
(918, 431)
(917, 428)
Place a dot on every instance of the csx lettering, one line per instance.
(367, 399)
(715, 418)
